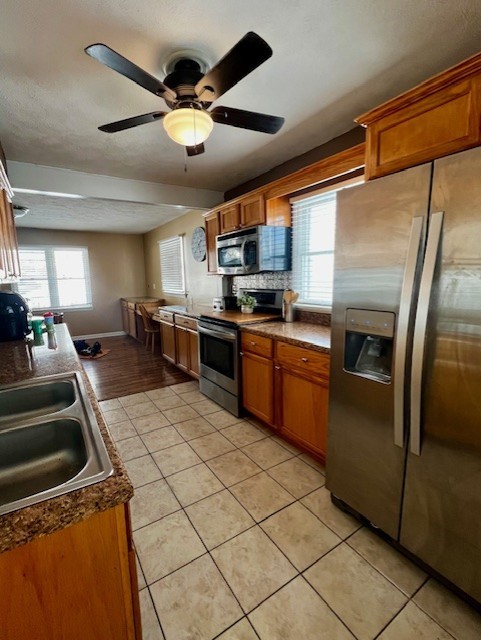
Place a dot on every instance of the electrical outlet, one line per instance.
(153, 286)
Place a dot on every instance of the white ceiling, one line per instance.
(93, 214)
(333, 59)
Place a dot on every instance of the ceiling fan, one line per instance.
(189, 93)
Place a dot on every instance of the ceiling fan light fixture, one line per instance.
(188, 126)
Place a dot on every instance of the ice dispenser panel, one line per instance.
(369, 344)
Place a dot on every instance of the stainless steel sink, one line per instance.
(35, 400)
(50, 442)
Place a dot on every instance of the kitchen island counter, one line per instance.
(22, 360)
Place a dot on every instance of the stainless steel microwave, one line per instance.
(262, 248)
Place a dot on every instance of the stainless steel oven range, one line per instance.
(220, 375)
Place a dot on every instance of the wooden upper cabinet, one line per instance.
(212, 229)
(439, 117)
(252, 211)
(229, 218)
(9, 259)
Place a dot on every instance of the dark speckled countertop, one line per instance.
(303, 334)
(17, 363)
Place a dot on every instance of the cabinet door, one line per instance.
(125, 316)
(212, 229)
(194, 365)
(9, 260)
(303, 409)
(167, 333)
(252, 211)
(229, 218)
(258, 386)
(182, 348)
(132, 323)
(75, 583)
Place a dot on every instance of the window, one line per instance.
(55, 277)
(313, 222)
(313, 236)
(172, 271)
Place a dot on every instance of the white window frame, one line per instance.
(172, 265)
(310, 304)
(52, 278)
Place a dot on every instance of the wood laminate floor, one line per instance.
(129, 368)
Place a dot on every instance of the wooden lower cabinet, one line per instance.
(180, 341)
(167, 341)
(258, 386)
(187, 345)
(125, 316)
(302, 409)
(76, 583)
(194, 364)
(289, 391)
(182, 348)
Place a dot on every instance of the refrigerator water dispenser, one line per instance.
(369, 344)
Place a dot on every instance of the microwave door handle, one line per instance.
(403, 326)
(243, 255)
(419, 340)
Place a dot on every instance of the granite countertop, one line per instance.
(57, 355)
(205, 310)
(303, 334)
(140, 299)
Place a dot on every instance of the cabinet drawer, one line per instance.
(257, 344)
(303, 359)
(131, 306)
(166, 316)
(183, 321)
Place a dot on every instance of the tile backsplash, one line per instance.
(266, 280)
(278, 280)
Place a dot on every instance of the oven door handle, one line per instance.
(222, 335)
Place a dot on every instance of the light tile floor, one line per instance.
(237, 538)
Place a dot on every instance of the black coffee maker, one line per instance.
(13, 316)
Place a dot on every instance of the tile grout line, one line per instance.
(262, 470)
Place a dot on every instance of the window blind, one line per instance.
(172, 270)
(55, 277)
(314, 223)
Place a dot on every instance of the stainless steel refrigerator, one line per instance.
(404, 445)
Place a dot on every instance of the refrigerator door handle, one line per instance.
(432, 246)
(403, 327)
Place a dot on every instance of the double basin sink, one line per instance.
(50, 441)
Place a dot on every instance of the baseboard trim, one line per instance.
(111, 334)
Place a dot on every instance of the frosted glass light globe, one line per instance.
(188, 127)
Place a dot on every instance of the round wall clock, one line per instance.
(198, 244)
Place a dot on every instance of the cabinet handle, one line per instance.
(304, 360)
(277, 367)
(253, 343)
(241, 353)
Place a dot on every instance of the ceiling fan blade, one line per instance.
(247, 119)
(195, 150)
(115, 61)
(248, 54)
(128, 123)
